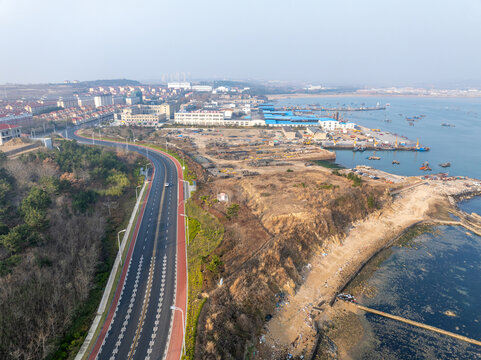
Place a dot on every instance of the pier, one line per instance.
(374, 148)
(417, 324)
(348, 108)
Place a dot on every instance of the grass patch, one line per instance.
(325, 186)
(327, 164)
(205, 234)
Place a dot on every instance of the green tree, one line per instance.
(18, 238)
(37, 198)
(35, 218)
(232, 211)
(215, 264)
(83, 200)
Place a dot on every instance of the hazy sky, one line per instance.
(368, 42)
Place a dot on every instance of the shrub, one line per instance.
(215, 264)
(371, 203)
(83, 200)
(232, 211)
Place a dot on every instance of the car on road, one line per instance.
(167, 184)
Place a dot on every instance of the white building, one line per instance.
(132, 100)
(86, 101)
(212, 118)
(202, 88)
(207, 118)
(8, 132)
(179, 85)
(141, 115)
(332, 124)
(67, 103)
(103, 100)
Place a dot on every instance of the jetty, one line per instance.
(352, 146)
(415, 323)
(344, 108)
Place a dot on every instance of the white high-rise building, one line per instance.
(103, 100)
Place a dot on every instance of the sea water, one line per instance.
(435, 278)
(459, 145)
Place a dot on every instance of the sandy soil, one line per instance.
(292, 328)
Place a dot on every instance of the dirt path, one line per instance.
(291, 329)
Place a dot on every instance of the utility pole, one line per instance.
(118, 242)
(187, 223)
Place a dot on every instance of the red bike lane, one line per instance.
(98, 343)
(174, 347)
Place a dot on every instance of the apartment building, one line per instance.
(103, 100)
(141, 115)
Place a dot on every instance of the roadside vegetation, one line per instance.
(140, 140)
(205, 235)
(59, 213)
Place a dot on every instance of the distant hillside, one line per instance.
(112, 82)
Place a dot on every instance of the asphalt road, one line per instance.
(140, 317)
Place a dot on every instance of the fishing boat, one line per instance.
(374, 158)
(448, 125)
(445, 165)
(395, 162)
(421, 148)
(425, 167)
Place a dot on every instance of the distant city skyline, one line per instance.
(343, 43)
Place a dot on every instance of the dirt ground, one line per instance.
(263, 151)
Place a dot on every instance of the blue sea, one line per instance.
(438, 271)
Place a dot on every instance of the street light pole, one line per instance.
(187, 222)
(118, 242)
(173, 307)
(136, 196)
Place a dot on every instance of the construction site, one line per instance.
(245, 152)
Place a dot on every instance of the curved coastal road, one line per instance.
(140, 323)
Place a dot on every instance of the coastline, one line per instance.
(302, 95)
(334, 269)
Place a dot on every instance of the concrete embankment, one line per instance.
(417, 324)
